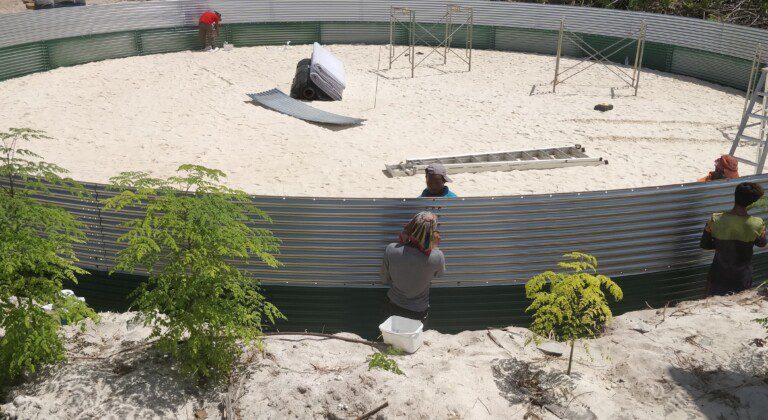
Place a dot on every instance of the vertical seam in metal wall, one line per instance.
(138, 43)
(46, 55)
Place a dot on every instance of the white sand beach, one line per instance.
(153, 113)
(701, 359)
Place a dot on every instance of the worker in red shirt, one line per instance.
(209, 21)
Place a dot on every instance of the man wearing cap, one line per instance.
(437, 176)
(209, 21)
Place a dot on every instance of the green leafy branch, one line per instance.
(36, 257)
(571, 304)
(381, 360)
(192, 232)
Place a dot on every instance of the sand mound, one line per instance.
(697, 360)
(153, 113)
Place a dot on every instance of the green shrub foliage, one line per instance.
(199, 304)
(571, 304)
(380, 360)
(36, 257)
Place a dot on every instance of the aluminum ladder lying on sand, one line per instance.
(559, 157)
(759, 95)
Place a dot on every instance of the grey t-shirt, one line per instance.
(410, 272)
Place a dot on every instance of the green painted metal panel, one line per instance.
(658, 56)
(359, 33)
(246, 35)
(720, 69)
(80, 50)
(536, 41)
(482, 37)
(434, 34)
(428, 34)
(21, 60)
(453, 309)
(29, 58)
(617, 50)
(158, 41)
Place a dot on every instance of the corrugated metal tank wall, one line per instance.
(647, 239)
(46, 39)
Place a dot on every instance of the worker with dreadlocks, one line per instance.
(409, 266)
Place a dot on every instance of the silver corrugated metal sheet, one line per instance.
(280, 102)
(487, 241)
(705, 35)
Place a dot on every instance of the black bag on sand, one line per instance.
(302, 87)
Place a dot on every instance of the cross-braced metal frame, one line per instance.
(595, 56)
(455, 18)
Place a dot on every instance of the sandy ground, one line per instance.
(156, 112)
(701, 359)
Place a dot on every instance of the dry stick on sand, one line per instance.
(378, 68)
(481, 402)
(374, 411)
(377, 346)
(663, 313)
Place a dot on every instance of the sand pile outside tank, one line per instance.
(153, 113)
(696, 360)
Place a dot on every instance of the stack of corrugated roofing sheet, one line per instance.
(327, 72)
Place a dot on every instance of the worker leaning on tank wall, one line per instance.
(437, 177)
(409, 266)
(208, 26)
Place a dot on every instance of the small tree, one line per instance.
(36, 257)
(570, 305)
(199, 304)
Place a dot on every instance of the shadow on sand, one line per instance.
(726, 393)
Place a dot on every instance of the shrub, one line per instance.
(570, 305)
(193, 231)
(36, 257)
(380, 360)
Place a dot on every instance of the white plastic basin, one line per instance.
(402, 333)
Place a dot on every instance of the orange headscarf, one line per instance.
(726, 167)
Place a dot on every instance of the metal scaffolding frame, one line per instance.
(595, 56)
(405, 17)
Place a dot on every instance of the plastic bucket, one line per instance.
(402, 333)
